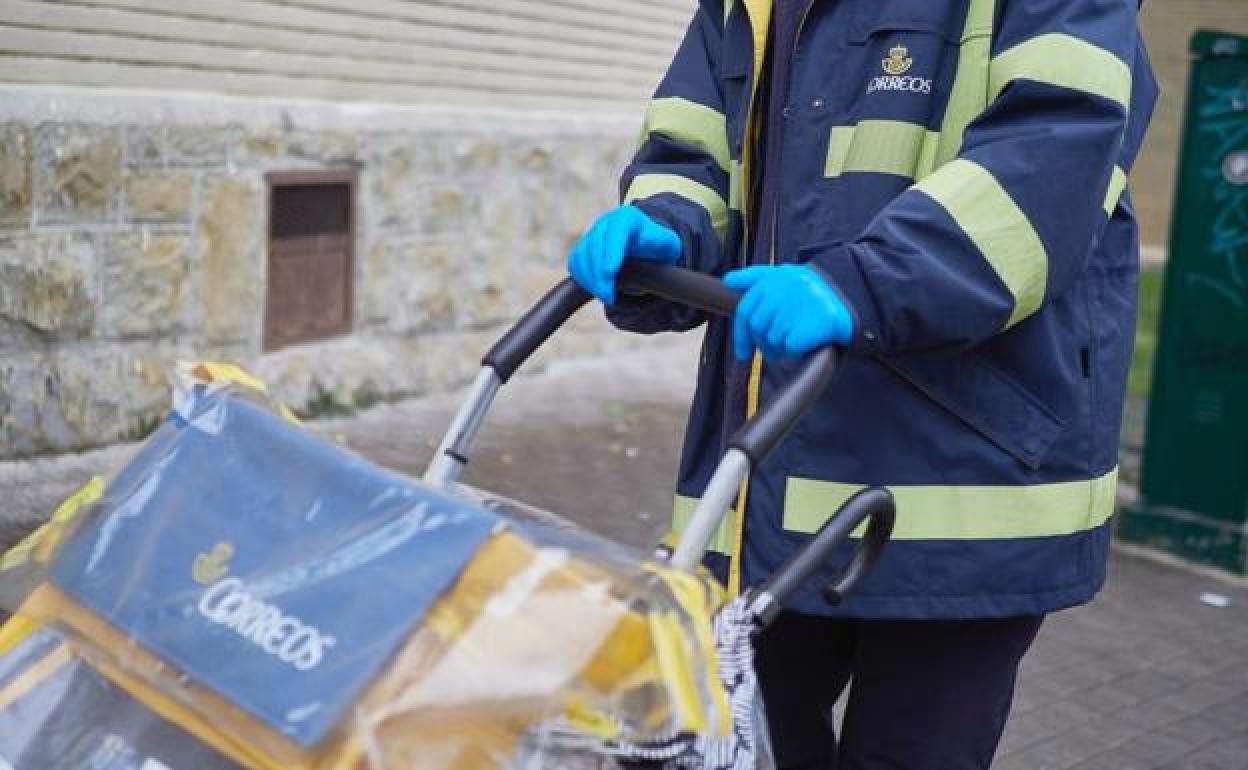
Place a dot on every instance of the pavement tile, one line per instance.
(1061, 752)
(1105, 699)
(1154, 714)
(1202, 694)
(1160, 746)
(1227, 754)
(1149, 685)
(1112, 760)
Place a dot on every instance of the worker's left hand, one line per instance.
(787, 311)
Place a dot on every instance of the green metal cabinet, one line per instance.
(1194, 480)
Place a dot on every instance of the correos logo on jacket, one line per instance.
(895, 68)
(227, 602)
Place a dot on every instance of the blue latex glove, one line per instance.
(620, 234)
(787, 311)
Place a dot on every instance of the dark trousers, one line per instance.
(926, 694)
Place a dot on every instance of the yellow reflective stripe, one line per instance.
(1117, 186)
(646, 185)
(997, 227)
(759, 14)
(969, 94)
(881, 147)
(736, 186)
(725, 536)
(691, 123)
(1064, 61)
(966, 512)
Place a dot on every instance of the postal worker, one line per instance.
(939, 187)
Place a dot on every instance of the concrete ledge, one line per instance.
(39, 103)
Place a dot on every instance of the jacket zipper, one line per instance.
(754, 386)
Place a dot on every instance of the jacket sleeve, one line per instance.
(987, 239)
(680, 174)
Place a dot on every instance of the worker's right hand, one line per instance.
(620, 234)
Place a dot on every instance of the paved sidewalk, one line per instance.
(1146, 677)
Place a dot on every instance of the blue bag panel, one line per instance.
(276, 569)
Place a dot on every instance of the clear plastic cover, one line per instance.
(265, 599)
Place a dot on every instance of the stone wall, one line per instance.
(133, 234)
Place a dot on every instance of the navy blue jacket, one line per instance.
(957, 170)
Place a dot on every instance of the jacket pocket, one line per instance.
(906, 54)
(988, 400)
(873, 19)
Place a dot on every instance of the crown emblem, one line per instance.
(210, 567)
(898, 61)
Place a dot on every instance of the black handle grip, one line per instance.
(876, 504)
(687, 287)
(537, 325)
(758, 436)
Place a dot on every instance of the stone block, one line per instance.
(503, 213)
(144, 284)
(476, 155)
(431, 152)
(481, 283)
(534, 157)
(256, 147)
(159, 196)
(533, 281)
(345, 374)
(453, 359)
(15, 173)
(585, 189)
(449, 208)
(78, 173)
(196, 145)
(541, 239)
(46, 284)
(74, 400)
(229, 259)
(24, 383)
(329, 147)
(144, 145)
(405, 286)
(389, 186)
(109, 395)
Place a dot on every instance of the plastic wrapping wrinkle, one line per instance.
(265, 600)
(210, 560)
(58, 712)
(477, 670)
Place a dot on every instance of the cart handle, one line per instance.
(746, 448)
(874, 505)
(686, 287)
(757, 437)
